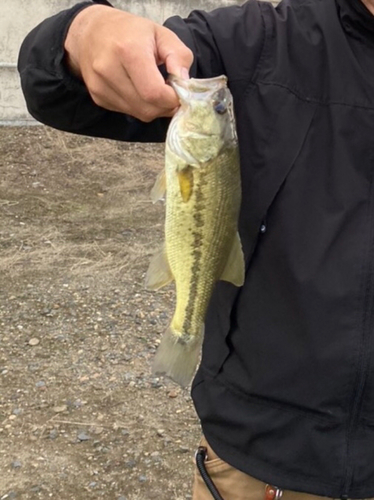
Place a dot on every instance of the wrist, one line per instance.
(76, 33)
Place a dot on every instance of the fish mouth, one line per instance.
(199, 84)
(199, 87)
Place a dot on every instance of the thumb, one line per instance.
(176, 56)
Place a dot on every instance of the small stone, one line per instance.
(16, 464)
(130, 464)
(34, 341)
(53, 434)
(160, 432)
(82, 436)
(184, 449)
(125, 432)
(97, 430)
(12, 417)
(121, 498)
(60, 409)
(173, 394)
(156, 384)
(17, 411)
(39, 384)
(92, 484)
(155, 454)
(142, 479)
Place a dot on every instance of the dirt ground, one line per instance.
(81, 416)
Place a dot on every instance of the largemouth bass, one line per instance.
(203, 196)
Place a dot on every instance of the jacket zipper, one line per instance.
(364, 355)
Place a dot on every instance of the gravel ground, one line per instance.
(81, 416)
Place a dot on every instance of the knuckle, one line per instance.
(151, 95)
(96, 99)
(99, 67)
(147, 115)
(96, 93)
(126, 51)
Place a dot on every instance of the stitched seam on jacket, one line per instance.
(261, 57)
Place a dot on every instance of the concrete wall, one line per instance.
(18, 17)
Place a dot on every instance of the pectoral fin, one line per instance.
(185, 178)
(159, 189)
(159, 273)
(235, 270)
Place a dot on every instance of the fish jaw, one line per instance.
(184, 88)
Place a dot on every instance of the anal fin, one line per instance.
(159, 273)
(234, 271)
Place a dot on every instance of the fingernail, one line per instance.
(185, 74)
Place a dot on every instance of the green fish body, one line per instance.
(202, 245)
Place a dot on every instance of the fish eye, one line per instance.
(220, 107)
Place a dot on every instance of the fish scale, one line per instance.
(197, 252)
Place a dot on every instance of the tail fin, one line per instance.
(177, 358)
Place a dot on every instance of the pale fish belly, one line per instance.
(199, 236)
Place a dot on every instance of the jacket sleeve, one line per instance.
(57, 98)
(228, 40)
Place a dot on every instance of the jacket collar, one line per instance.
(356, 19)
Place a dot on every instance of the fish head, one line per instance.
(204, 124)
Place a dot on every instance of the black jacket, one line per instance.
(285, 391)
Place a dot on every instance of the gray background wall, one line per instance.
(18, 17)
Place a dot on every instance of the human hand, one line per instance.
(117, 54)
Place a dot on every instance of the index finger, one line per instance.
(149, 82)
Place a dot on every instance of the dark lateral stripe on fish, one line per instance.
(197, 254)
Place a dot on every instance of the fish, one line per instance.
(202, 245)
